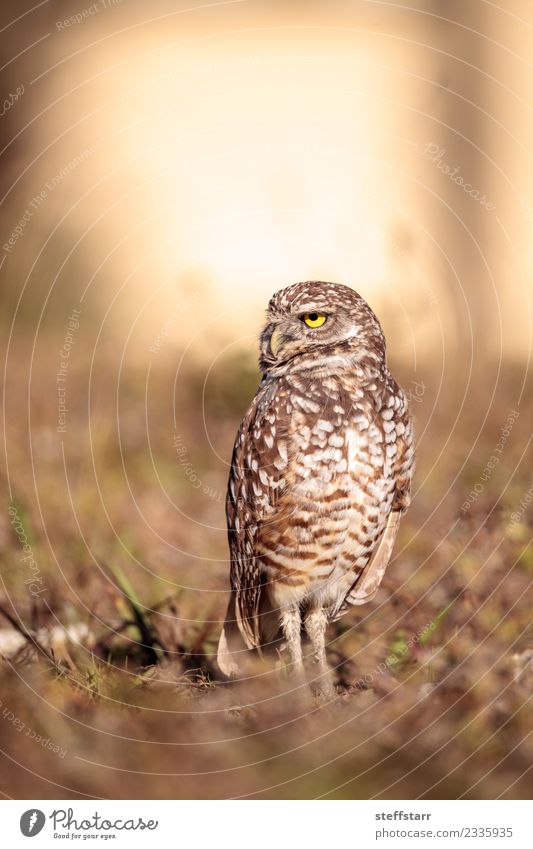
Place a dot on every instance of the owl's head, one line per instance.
(314, 325)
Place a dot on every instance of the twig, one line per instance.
(18, 626)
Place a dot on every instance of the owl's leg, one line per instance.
(316, 622)
(291, 625)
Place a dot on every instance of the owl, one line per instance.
(320, 476)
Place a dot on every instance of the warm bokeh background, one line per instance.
(163, 171)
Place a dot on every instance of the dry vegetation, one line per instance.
(131, 555)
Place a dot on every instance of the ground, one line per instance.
(124, 528)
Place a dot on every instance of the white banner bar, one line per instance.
(268, 824)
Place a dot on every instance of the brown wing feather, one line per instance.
(255, 482)
(367, 585)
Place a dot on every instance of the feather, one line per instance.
(368, 584)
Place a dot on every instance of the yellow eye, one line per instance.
(314, 319)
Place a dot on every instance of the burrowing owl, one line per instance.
(320, 475)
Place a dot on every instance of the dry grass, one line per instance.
(128, 546)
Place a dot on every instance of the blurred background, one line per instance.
(165, 168)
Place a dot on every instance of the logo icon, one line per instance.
(32, 822)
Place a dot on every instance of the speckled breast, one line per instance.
(337, 491)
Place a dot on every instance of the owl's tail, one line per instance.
(235, 652)
(232, 650)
